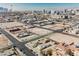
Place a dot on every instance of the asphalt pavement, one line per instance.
(18, 44)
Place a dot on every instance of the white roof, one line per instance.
(10, 24)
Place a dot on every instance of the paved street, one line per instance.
(18, 44)
(58, 30)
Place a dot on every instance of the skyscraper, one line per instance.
(3, 9)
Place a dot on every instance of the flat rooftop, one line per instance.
(39, 31)
(59, 37)
(56, 26)
(23, 34)
(10, 24)
(10, 51)
(53, 41)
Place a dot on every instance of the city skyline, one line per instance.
(38, 6)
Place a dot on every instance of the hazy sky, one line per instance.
(32, 6)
